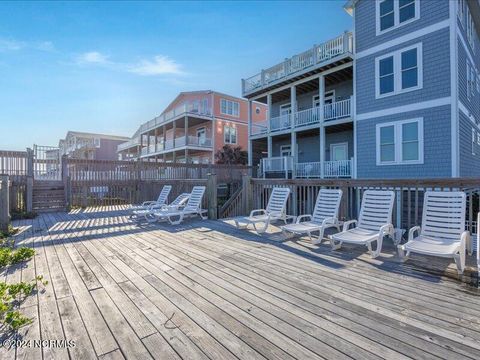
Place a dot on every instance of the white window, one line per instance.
(201, 136)
(400, 142)
(229, 134)
(399, 72)
(329, 98)
(471, 79)
(285, 150)
(470, 29)
(394, 13)
(228, 107)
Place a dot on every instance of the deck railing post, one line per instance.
(29, 194)
(212, 196)
(29, 162)
(247, 194)
(4, 202)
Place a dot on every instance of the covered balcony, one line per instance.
(300, 65)
(285, 167)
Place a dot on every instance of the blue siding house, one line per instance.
(412, 79)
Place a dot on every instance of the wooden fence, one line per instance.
(103, 182)
(16, 165)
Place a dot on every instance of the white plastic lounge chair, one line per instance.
(325, 215)
(443, 228)
(149, 205)
(176, 204)
(276, 210)
(193, 207)
(374, 222)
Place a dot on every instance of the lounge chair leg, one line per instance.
(175, 222)
(317, 240)
(401, 253)
(237, 224)
(335, 246)
(460, 259)
(377, 252)
(287, 234)
(262, 229)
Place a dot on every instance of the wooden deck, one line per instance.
(206, 290)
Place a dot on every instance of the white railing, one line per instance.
(338, 109)
(277, 164)
(168, 144)
(128, 144)
(144, 151)
(318, 54)
(196, 141)
(280, 122)
(259, 127)
(197, 107)
(332, 169)
(338, 169)
(308, 170)
(180, 141)
(307, 117)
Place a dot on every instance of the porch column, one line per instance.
(148, 142)
(174, 132)
(156, 139)
(249, 114)
(186, 156)
(269, 111)
(164, 137)
(293, 106)
(293, 142)
(321, 89)
(186, 131)
(269, 146)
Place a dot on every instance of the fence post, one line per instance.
(247, 194)
(29, 162)
(29, 194)
(4, 203)
(212, 196)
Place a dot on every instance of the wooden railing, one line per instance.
(316, 55)
(338, 169)
(337, 109)
(307, 117)
(13, 162)
(233, 206)
(409, 195)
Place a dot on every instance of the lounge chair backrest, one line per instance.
(195, 200)
(376, 210)
(180, 199)
(327, 205)
(162, 198)
(277, 203)
(444, 214)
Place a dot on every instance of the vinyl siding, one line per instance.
(437, 146)
(436, 75)
(469, 162)
(431, 12)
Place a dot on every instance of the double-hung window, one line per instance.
(471, 79)
(394, 13)
(400, 142)
(229, 134)
(229, 107)
(399, 71)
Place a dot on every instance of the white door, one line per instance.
(339, 152)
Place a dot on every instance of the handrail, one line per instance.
(317, 54)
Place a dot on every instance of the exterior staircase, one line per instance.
(48, 196)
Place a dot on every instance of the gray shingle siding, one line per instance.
(469, 160)
(431, 12)
(436, 74)
(437, 146)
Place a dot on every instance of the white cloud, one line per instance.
(160, 65)
(92, 57)
(11, 45)
(45, 46)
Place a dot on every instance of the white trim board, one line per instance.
(401, 39)
(467, 113)
(465, 46)
(405, 108)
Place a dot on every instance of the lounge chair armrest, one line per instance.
(331, 220)
(467, 241)
(412, 231)
(346, 224)
(253, 212)
(301, 217)
(386, 229)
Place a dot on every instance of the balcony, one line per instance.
(201, 107)
(180, 142)
(308, 59)
(285, 166)
(128, 144)
(336, 110)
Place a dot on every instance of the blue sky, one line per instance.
(107, 67)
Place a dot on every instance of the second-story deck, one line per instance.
(300, 65)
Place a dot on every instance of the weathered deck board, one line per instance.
(204, 289)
